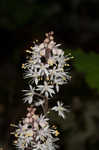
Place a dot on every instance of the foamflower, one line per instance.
(60, 109)
(47, 89)
(45, 70)
(36, 134)
(28, 96)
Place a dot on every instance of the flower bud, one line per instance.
(30, 120)
(28, 115)
(46, 40)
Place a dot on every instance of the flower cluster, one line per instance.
(45, 70)
(35, 133)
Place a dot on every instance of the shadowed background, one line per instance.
(76, 27)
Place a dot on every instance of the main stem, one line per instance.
(49, 38)
(45, 106)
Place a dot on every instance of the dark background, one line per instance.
(76, 27)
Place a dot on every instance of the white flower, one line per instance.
(57, 82)
(60, 60)
(33, 61)
(56, 72)
(40, 102)
(60, 109)
(50, 143)
(33, 74)
(47, 89)
(24, 135)
(60, 73)
(43, 121)
(43, 133)
(29, 64)
(57, 51)
(36, 48)
(51, 61)
(38, 146)
(29, 95)
(41, 46)
(42, 52)
(35, 58)
(43, 69)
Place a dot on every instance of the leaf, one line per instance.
(88, 63)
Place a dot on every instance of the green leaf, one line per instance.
(88, 63)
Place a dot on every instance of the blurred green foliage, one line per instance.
(88, 63)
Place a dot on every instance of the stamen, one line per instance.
(56, 133)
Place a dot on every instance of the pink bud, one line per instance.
(30, 120)
(35, 125)
(28, 115)
(33, 111)
(46, 40)
(29, 109)
(51, 37)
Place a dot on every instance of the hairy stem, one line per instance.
(45, 105)
(40, 95)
